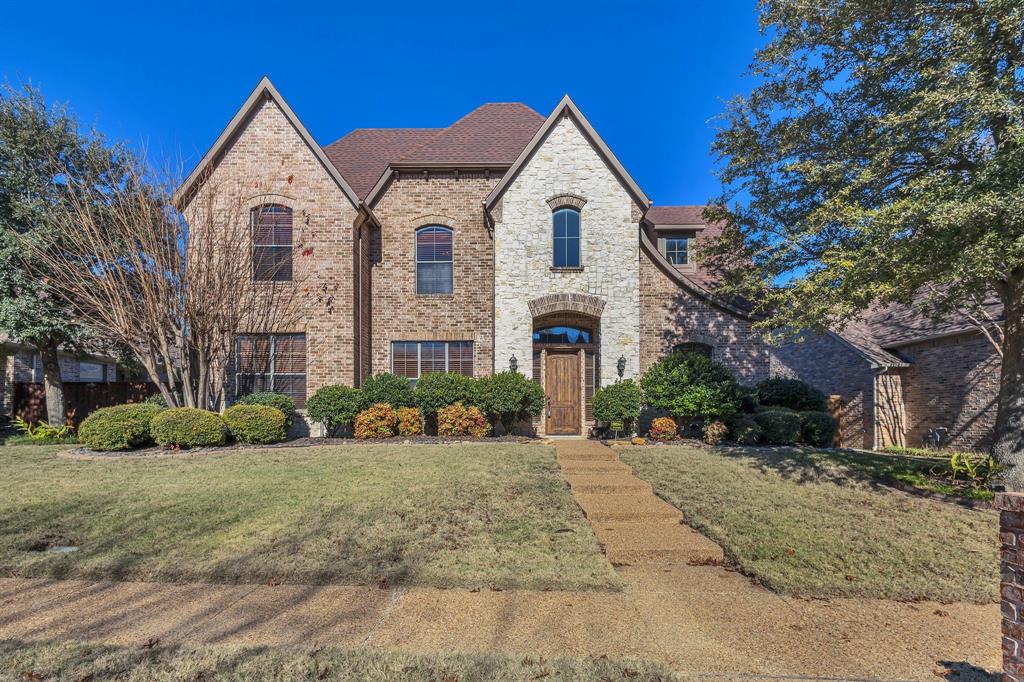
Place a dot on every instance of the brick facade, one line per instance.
(1011, 584)
(398, 313)
(953, 384)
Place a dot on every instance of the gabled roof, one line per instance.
(264, 90)
(491, 134)
(567, 107)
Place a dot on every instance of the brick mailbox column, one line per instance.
(1011, 584)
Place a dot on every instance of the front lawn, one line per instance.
(808, 524)
(445, 516)
(75, 661)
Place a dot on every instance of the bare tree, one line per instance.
(175, 285)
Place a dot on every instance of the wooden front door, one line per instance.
(562, 387)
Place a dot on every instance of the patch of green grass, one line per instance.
(814, 525)
(77, 661)
(914, 473)
(445, 516)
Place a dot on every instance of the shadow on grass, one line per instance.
(961, 671)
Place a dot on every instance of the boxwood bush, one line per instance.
(279, 401)
(691, 385)
(792, 394)
(618, 402)
(188, 427)
(779, 426)
(744, 430)
(387, 388)
(441, 389)
(121, 427)
(257, 424)
(817, 428)
(334, 406)
(509, 397)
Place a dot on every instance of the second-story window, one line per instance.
(677, 250)
(272, 243)
(434, 256)
(566, 238)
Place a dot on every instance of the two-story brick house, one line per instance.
(507, 240)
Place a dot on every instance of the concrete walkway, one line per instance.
(703, 620)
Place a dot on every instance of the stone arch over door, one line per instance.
(584, 304)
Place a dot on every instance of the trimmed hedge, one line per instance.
(779, 426)
(257, 424)
(618, 402)
(188, 427)
(121, 427)
(509, 397)
(458, 420)
(334, 406)
(790, 393)
(744, 430)
(818, 429)
(278, 401)
(410, 421)
(390, 389)
(691, 385)
(377, 421)
(441, 389)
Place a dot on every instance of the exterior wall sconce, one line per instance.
(621, 365)
(513, 364)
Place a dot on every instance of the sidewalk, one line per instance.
(702, 620)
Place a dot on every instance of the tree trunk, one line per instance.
(53, 385)
(1009, 438)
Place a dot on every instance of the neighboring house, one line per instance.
(507, 240)
(905, 380)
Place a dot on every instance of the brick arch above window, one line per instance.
(566, 200)
(697, 343)
(422, 221)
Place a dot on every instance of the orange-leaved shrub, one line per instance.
(662, 429)
(459, 420)
(410, 421)
(376, 421)
(715, 432)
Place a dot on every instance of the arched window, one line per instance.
(272, 243)
(566, 238)
(434, 251)
(698, 348)
(562, 335)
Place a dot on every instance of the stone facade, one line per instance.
(398, 313)
(953, 384)
(566, 163)
(835, 369)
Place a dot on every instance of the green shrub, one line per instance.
(387, 388)
(188, 427)
(256, 424)
(744, 430)
(618, 402)
(691, 385)
(458, 420)
(121, 427)
(157, 400)
(377, 421)
(278, 401)
(441, 389)
(509, 397)
(410, 421)
(714, 432)
(817, 428)
(779, 426)
(334, 406)
(44, 433)
(663, 429)
(790, 393)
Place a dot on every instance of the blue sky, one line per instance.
(650, 76)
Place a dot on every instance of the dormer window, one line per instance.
(677, 250)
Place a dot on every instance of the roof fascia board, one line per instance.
(263, 89)
(567, 107)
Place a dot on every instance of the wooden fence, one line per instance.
(80, 399)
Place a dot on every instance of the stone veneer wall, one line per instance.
(269, 162)
(952, 384)
(835, 369)
(566, 163)
(1011, 582)
(670, 315)
(413, 201)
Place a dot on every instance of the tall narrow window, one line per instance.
(434, 253)
(272, 243)
(566, 241)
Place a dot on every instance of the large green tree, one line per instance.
(878, 159)
(39, 146)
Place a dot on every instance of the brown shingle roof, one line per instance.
(491, 134)
(676, 215)
(364, 154)
(899, 324)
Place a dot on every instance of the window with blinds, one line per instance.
(434, 258)
(272, 362)
(272, 243)
(413, 359)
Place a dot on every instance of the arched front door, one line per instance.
(563, 350)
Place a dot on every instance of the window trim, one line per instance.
(579, 239)
(690, 238)
(419, 355)
(254, 214)
(417, 261)
(271, 373)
